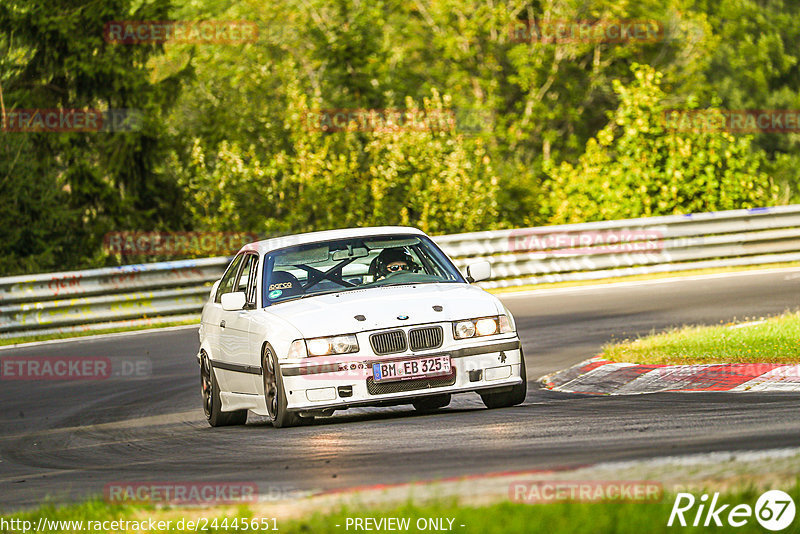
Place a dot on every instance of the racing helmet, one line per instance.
(391, 255)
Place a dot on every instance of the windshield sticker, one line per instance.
(275, 293)
(284, 285)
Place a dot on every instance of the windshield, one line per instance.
(356, 263)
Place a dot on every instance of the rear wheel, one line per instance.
(516, 395)
(432, 403)
(212, 405)
(274, 392)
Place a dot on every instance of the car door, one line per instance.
(241, 374)
(212, 314)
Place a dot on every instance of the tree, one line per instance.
(64, 191)
(756, 65)
(640, 166)
(411, 175)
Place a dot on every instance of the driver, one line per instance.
(393, 260)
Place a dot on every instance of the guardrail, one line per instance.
(176, 290)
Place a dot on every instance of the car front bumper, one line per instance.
(347, 381)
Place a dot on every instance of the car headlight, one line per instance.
(464, 329)
(297, 349)
(483, 326)
(324, 346)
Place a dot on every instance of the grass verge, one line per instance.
(772, 340)
(566, 517)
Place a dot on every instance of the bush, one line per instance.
(638, 167)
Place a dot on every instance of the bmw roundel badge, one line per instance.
(402, 317)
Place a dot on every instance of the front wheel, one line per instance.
(212, 405)
(509, 398)
(274, 392)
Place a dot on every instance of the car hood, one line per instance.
(381, 306)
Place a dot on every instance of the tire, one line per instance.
(274, 392)
(432, 403)
(212, 405)
(507, 399)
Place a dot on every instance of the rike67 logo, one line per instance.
(774, 510)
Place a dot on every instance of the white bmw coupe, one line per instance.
(308, 324)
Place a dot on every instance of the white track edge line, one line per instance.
(633, 283)
(98, 337)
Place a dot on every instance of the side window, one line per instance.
(251, 289)
(246, 283)
(229, 278)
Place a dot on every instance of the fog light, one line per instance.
(476, 375)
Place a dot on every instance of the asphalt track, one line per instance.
(64, 440)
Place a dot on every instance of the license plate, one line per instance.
(409, 369)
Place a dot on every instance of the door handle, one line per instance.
(222, 324)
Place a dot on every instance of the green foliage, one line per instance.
(224, 145)
(756, 65)
(64, 191)
(640, 165)
(420, 176)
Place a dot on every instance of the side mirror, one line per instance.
(233, 301)
(479, 271)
